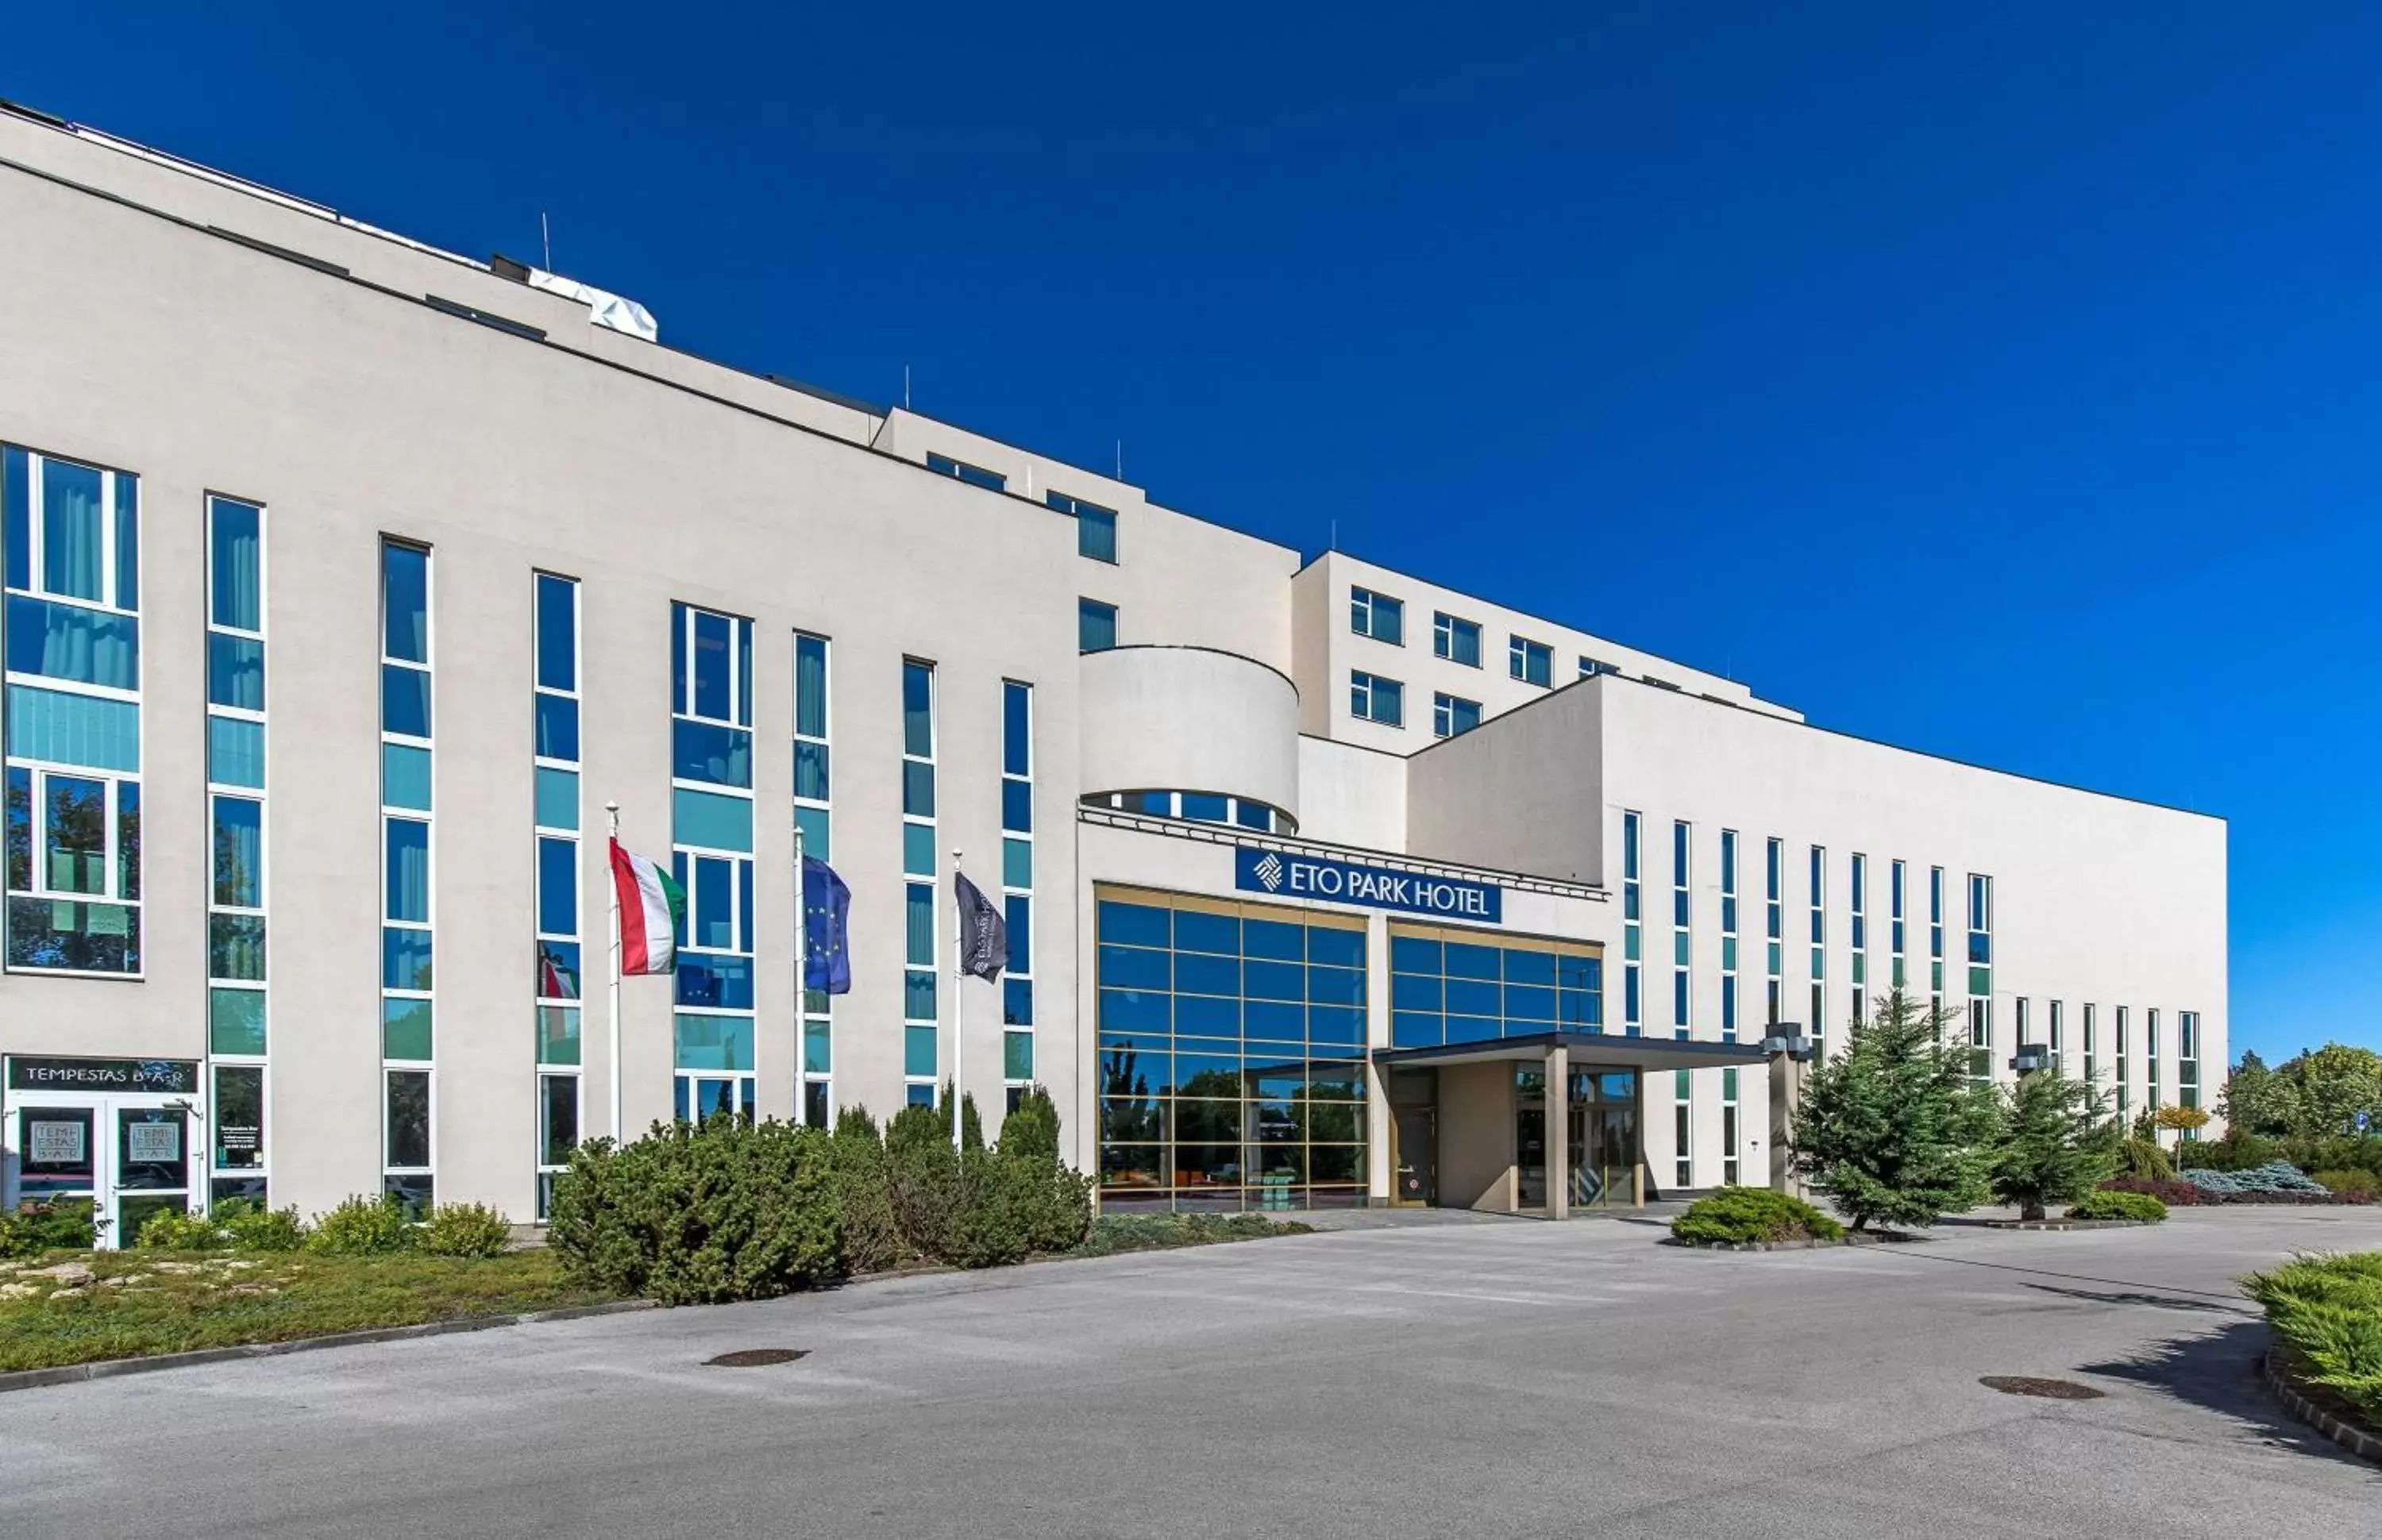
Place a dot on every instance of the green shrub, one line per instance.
(251, 1226)
(872, 1242)
(2339, 1153)
(2237, 1151)
(1062, 1204)
(172, 1229)
(922, 1175)
(55, 1225)
(1743, 1215)
(2106, 1204)
(466, 1229)
(2143, 1160)
(993, 1206)
(2362, 1183)
(2327, 1309)
(362, 1226)
(701, 1213)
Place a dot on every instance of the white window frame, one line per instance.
(1445, 628)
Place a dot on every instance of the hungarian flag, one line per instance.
(651, 906)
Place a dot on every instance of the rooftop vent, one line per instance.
(604, 307)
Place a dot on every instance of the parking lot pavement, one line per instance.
(1475, 1380)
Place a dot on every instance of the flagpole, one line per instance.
(802, 967)
(612, 884)
(959, 1016)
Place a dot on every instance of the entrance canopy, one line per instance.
(1604, 1050)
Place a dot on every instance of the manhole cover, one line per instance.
(756, 1358)
(2052, 1389)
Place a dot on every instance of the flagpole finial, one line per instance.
(613, 809)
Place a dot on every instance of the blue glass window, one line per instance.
(404, 698)
(558, 628)
(1096, 625)
(236, 578)
(236, 673)
(721, 981)
(919, 911)
(556, 726)
(712, 1042)
(405, 777)
(708, 751)
(557, 797)
(975, 476)
(558, 887)
(408, 870)
(71, 532)
(1457, 639)
(1021, 933)
(708, 819)
(1017, 806)
(404, 957)
(239, 852)
(810, 770)
(405, 603)
(918, 708)
(1017, 1002)
(67, 641)
(1531, 662)
(917, 788)
(1016, 728)
(73, 729)
(235, 752)
(810, 686)
(16, 504)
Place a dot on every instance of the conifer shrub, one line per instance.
(1749, 1216)
(702, 1213)
(2140, 1207)
(871, 1241)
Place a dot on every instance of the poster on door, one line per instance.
(153, 1143)
(49, 1143)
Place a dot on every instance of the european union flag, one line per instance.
(827, 912)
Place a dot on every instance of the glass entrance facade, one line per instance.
(1232, 1042)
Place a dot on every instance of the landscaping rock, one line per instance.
(72, 1274)
(16, 1290)
(179, 1267)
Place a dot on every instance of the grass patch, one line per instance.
(140, 1303)
(1112, 1233)
(2327, 1310)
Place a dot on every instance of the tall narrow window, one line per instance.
(1633, 927)
(1682, 942)
(236, 1028)
(1861, 936)
(74, 714)
(2187, 1064)
(1981, 976)
(921, 865)
(1773, 923)
(1729, 1128)
(1899, 881)
(1683, 1116)
(2151, 1058)
(2056, 1020)
(2092, 1047)
(1818, 943)
(408, 1043)
(712, 855)
(1936, 938)
(2125, 1079)
(1728, 939)
(1017, 886)
(814, 788)
(561, 920)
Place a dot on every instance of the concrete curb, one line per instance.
(2071, 1224)
(109, 1368)
(2339, 1429)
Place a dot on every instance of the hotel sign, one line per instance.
(1285, 874)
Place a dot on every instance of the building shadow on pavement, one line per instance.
(2217, 1370)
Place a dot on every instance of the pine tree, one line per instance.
(1893, 1130)
(2057, 1142)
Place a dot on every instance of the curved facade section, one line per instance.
(1189, 719)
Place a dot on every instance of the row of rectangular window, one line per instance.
(1383, 618)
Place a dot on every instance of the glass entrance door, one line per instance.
(56, 1155)
(151, 1169)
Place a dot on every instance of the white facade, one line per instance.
(208, 341)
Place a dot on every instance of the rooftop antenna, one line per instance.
(1120, 460)
(546, 239)
(906, 387)
(1336, 536)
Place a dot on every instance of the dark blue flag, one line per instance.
(827, 943)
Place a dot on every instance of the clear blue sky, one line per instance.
(2001, 384)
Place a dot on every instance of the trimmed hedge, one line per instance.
(1745, 1215)
(2138, 1207)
